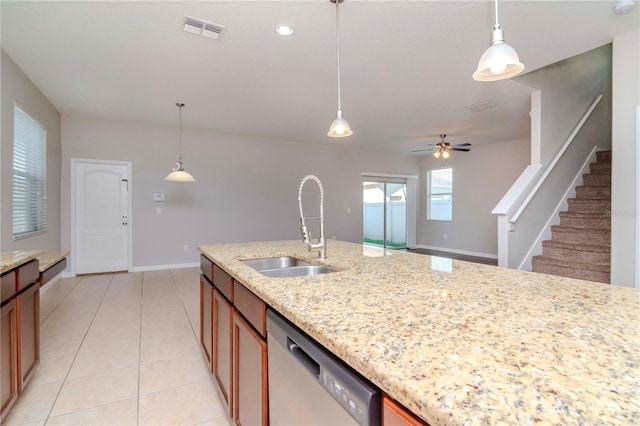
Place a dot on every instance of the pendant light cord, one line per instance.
(338, 49)
(496, 10)
(180, 105)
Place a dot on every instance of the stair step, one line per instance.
(589, 206)
(585, 220)
(600, 168)
(576, 252)
(596, 180)
(583, 271)
(593, 192)
(603, 156)
(574, 235)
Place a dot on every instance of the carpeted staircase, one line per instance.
(581, 245)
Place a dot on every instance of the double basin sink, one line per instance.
(285, 267)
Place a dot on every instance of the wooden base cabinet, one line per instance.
(250, 387)
(8, 357)
(394, 414)
(222, 366)
(28, 307)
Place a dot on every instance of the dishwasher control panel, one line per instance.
(358, 408)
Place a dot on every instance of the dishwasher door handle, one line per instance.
(304, 358)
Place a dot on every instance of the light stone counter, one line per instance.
(463, 343)
(49, 258)
(12, 259)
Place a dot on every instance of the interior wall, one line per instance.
(624, 194)
(246, 187)
(16, 87)
(567, 89)
(480, 179)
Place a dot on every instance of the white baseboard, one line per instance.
(465, 252)
(66, 274)
(164, 267)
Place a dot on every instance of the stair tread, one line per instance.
(569, 263)
(584, 215)
(578, 229)
(579, 247)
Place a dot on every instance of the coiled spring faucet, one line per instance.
(321, 245)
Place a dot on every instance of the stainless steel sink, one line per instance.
(296, 271)
(275, 263)
(285, 267)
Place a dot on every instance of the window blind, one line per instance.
(29, 175)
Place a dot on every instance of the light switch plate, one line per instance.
(158, 196)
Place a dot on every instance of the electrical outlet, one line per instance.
(186, 247)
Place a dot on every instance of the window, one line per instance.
(439, 194)
(29, 175)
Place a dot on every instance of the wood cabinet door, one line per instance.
(250, 404)
(222, 366)
(8, 357)
(394, 414)
(28, 306)
(206, 320)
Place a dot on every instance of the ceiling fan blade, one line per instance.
(461, 149)
(461, 144)
(422, 150)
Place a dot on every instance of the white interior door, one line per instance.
(102, 217)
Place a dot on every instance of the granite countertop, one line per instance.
(463, 343)
(12, 259)
(49, 258)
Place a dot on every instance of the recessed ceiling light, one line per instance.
(284, 30)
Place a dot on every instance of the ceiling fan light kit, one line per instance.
(339, 127)
(499, 61)
(179, 174)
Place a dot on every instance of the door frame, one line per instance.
(412, 200)
(74, 163)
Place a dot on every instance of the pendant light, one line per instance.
(500, 60)
(339, 127)
(179, 174)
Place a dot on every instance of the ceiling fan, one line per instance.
(442, 148)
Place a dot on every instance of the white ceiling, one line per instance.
(406, 65)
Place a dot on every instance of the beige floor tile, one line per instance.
(183, 405)
(160, 304)
(51, 370)
(111, 339)
(95, 390)
(169, 316)
(218, 421)
(160, 375)
(169, 347)
(33, 404)
(156, 332)
(96, 362)
(57, 346)
(118, 413)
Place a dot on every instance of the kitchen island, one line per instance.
(458, 342)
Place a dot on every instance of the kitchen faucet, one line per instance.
(321, 245)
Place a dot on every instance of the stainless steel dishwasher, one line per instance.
(309, 386)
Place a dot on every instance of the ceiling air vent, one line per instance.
(480, 105)
(203, 28)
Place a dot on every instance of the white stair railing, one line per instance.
(518, 198)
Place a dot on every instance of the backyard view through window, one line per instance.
(384, 212)
(29, 172)
(439, 196)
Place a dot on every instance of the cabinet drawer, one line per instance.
(206, 266)
(27, 274)
(223, 282)
(8, 284)
(250, 305)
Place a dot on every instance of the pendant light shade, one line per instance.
(500, 60)
(179, 174)
(339, 127)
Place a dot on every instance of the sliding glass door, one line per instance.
(384, 210)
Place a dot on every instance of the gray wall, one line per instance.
(480, 179)
(624, 195)
(246, 188)
(567, 89)
(16, 87)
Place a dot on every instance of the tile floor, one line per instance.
(120, 349)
